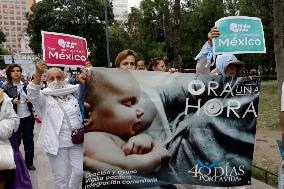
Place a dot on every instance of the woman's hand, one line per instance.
(214, 32)
(16, 101)
(173, 70)
(40, 67)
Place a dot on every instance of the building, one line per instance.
(13, 22)
(120, 10)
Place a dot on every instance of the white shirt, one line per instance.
(71, 106)
(22, 108)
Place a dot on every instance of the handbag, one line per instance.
(77, 135)
(7, 160)
(22, 178)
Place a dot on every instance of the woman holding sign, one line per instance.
(60, 113)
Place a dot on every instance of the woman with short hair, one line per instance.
(17, 90)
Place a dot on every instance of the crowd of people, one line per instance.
(59, 102)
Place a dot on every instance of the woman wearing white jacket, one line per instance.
(66, 158)
(9, 121)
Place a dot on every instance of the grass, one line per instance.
(268, 118)
(260, 175)
(268, 114)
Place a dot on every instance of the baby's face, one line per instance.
(118, 112)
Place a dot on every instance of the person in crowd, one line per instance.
(205, 56)
(17, 90)
(157, 64)
(140, 65)
(60, 113)
(228, 65)
(126, 60)
(2, 79)
(9, 122)
(88, 63)
(72, 79)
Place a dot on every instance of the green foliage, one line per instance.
(83, 18)
(197, 19)
(268, 108)
(2, 50)
(141, 25)
(264, 10)
(118, 40)
(2, 37)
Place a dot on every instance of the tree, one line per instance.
(2, 37)
(83, 18)
(177, 37)
(118, 39)
(2, 50)
(264, 10)
(141, 25)
(196, 20)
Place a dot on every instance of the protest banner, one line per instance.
(153, 128)
(239, 35)
(63, 49)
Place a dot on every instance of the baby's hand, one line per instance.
(139, 144)
(162, 151)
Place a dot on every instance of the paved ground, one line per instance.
(42, 177)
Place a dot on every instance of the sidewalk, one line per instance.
(42, 177)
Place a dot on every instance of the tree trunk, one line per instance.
(278, 50)
(177, 38)
(167, 26)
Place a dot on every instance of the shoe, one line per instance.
(31, 167)
(169, 186)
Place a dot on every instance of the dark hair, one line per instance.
(123, 54)
(9, 70)
(154, 63)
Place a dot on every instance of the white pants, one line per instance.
(67, 167)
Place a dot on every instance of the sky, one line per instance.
(133, 3)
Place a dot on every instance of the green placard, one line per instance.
(239, 35)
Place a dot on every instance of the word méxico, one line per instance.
(71, 56)
(239, 42)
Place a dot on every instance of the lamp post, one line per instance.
(13, 60)
(106, 30)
